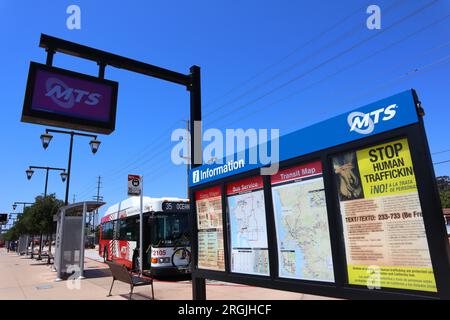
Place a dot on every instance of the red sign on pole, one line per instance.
(134, 185)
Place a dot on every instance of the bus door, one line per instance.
(147, 241)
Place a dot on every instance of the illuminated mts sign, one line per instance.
(67, 99)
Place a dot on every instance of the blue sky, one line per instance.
(245, 49)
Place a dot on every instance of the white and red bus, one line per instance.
(166, 240)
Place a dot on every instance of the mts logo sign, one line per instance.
(66, 97)
(364, 123)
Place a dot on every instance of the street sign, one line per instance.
(134, 185)
(67, 99)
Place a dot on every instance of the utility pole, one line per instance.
(74, 197)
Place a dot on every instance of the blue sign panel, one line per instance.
(382, 116)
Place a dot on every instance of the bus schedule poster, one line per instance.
(384, 233)
(210, 229)
(248, 227)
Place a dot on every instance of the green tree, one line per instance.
(36, 219)
(43, 211)
(443, 183)
(445, 198)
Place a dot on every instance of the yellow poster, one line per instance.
(384, 234)
(386, 169)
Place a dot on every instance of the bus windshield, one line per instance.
(170, 230)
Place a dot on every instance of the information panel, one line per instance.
(210, 229)
(303, 236)
(247, 216)
(386, 244)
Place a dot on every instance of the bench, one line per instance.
(120, 273)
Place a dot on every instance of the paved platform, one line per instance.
(26, 279)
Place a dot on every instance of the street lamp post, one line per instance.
(94, 144)
(22, 203)
(29, 173)
(31, 169)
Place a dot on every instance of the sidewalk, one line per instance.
(26, 279)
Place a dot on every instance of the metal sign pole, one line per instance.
(83, 227)
(58, 252)
(198, 283)
(141, 228)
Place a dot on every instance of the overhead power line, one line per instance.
(436, 163)
(327, 61)
(298, 63)
(139, 158)
(290, 54)
(329, 76)
(398, 41)
(154, 173)
(440, 152)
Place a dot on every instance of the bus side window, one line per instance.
(107, 231)
(127, 229)
(103, 231)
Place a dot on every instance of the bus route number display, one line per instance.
(176, 206)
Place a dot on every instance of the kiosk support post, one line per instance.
(198, 284)
(59, 253)
(83, 227)
(141, 228)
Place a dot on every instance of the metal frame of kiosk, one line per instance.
(436, 235)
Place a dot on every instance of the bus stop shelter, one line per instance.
(70, 238)
(22, 247)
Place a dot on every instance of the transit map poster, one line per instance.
(210, 229)
(248, 228)
(384, 233)
(301, 219)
